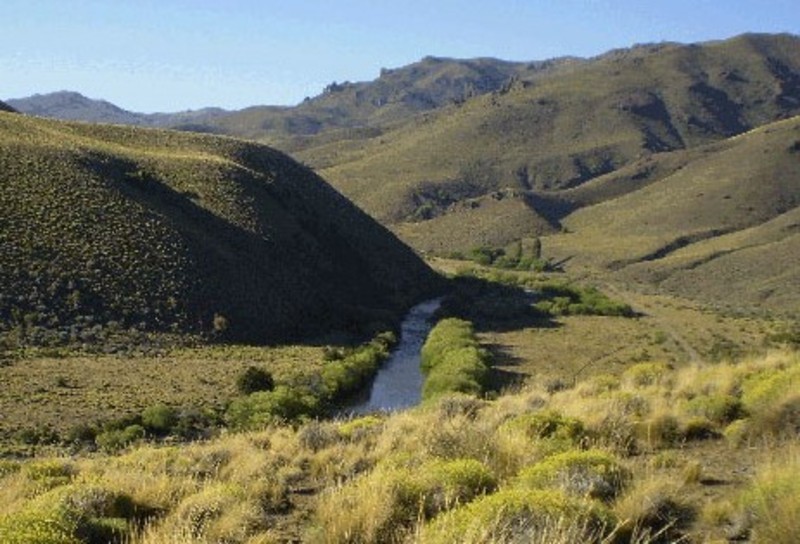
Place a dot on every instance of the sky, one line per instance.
(174, 55)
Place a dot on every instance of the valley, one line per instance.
(188, 301)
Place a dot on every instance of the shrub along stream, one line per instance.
(453, 361)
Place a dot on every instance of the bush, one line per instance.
(718, 408)
(771, 398)
(71, 514)
(271, 407)
(547, 424)
(159, 419)
(772, 504)
(592, 473)
(254, 379)
(517, 515)
(357, 428)
(453, 361)
(383, 505)
(560, 298)
(655, 510)
(115, 440)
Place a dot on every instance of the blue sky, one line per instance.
(170, 55)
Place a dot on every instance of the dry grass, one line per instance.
(64, 392)
(546, 465)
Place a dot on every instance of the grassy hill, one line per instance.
(105, 228)
(718, 222)
(565, 127)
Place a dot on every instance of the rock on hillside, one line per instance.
(107, 226)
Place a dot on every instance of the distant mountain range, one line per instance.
(72, 106)
(456, 154)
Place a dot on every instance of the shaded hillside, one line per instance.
(6, 107)
(104, 226)
(720, 222)
(566, 127)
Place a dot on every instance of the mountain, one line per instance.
(110, 227)
(513, 149)
(76, 107)
(72, 106)
(6, 107)
(395, 95)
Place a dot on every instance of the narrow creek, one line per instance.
(398, 383)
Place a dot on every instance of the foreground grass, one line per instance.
(706, 452)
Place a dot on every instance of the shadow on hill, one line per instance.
(503, 376)
(552, 208)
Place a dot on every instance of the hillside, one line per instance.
(6, 107)
(108, 228)
(396, 95)
(562, 129)
(718, 223)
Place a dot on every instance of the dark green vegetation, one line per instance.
(108, 232)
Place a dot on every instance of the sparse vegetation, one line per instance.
(574, 390)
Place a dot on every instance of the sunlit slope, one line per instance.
(170, 231)
(566, 127)
(720, 222)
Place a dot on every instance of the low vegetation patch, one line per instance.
(453, 361)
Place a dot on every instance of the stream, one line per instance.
(398, 383)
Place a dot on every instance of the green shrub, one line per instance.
(75, 513)
(718, 408)
(517, 515)
(357, 428)
(115, 440)
(453, 361)
(270, 407)
(48, 474)
(254, 379)
(592, 473)
(448, 334)
(547, 424)
(771, 398)
(561, 298)
(9, 467)
(383, 505)
(159, 419)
